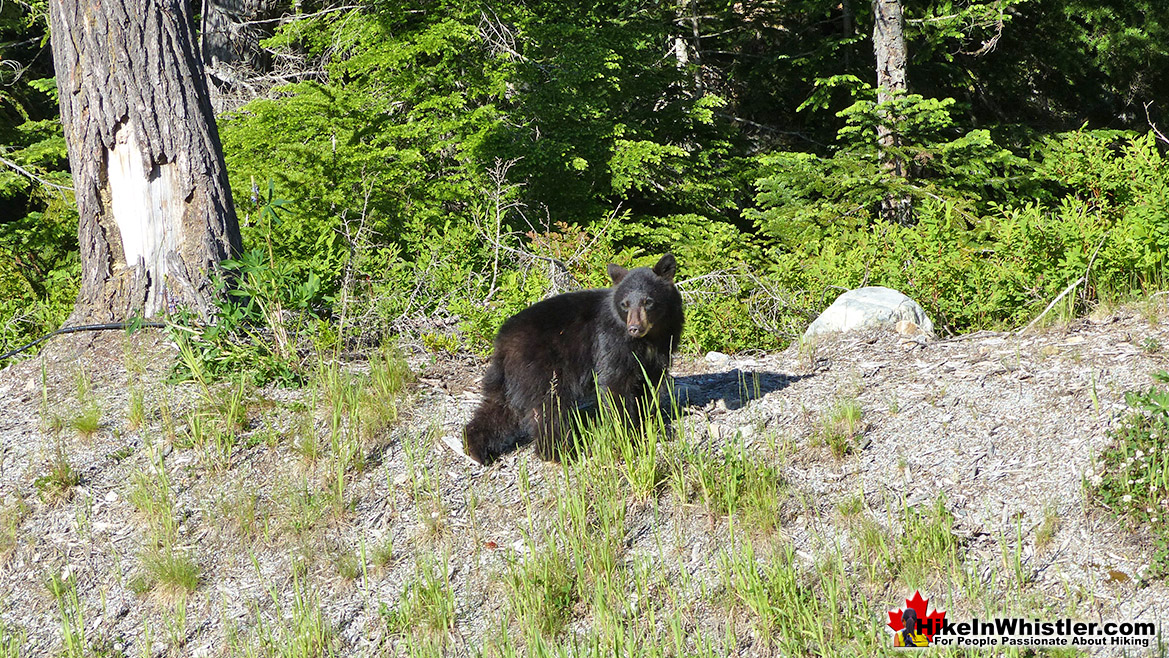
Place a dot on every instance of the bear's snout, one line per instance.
(637, 323)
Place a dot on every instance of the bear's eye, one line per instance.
(624, 304)
(649, 303)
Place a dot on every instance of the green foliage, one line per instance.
(984, 264)
(404, 143)
(266, 308)
(448, 165)
(1132, 476)
(39, 269)
(803, 197)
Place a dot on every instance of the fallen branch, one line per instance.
(34, 176)
(1160, 135)
(288, 18)
(1083, 279)
(1061, 295)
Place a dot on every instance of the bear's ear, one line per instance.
(666, 268)
(617, 273)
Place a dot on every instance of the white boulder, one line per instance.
(872, 306)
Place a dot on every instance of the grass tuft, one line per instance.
(57, 484)
(541, 592)
(927, 543)
(1049, 527)
(87, 421)
(136, 412)
(739, 484)
(296, 631)
(841, 428)
(169, 571)
(426, 606)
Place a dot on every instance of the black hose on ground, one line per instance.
(85, 327)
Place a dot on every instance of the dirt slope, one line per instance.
(1002, 426)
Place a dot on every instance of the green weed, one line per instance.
(795, 608)
(11, 516)
(1049, 527)
(151, 492)
(87, 421)
(428, 604)
(927, 543)
(841, 427)
(1131, 476)
(297, 631)
(169, 570)
(136, 412)
(240, 508)
(57, 483)
(737, 483)
(11, 640)
(381, 554)
(542, 592)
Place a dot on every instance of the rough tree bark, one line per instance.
(224, 39)
(156, 215)
(231, 32)
(892, 79)
(685, 12)
(889, 47)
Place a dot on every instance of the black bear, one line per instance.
(552, 358)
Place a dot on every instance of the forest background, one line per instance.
(430, 167)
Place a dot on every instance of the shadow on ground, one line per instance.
(735, 387)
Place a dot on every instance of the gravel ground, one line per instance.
(1003, 426)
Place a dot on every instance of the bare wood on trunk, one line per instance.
(156, 215)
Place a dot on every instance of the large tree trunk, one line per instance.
(156, 215)
(892, 79)
(231, 33)
(889, 47)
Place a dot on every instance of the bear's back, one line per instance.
(565, 314)
(553, 339)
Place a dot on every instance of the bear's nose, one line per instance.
(635, 330)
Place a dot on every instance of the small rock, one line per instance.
(696, 555)
(111, 496)
(717, 358)
(118, 611)
(746, 431)
(907, 328)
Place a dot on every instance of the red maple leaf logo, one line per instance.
(930, 623)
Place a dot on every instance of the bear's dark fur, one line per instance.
(551, 359)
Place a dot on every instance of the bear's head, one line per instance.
(643, 297)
